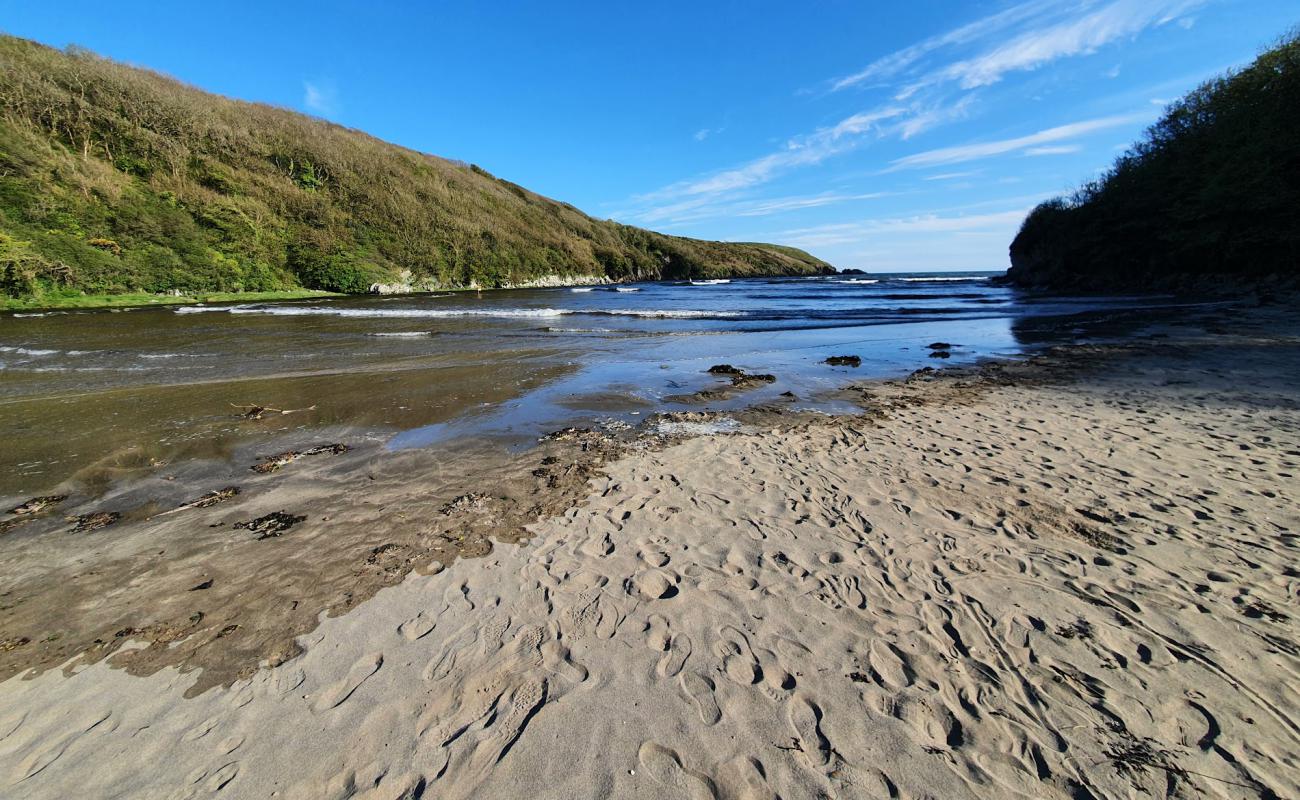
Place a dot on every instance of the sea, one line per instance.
(80, 388)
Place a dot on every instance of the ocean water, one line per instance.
(80, 388)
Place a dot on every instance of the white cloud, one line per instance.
(951, 176)
(895, 63)
(1054, 150)
(801, 151)
(704, 133)
(922, 224)
(973, 152)
(320, 97)
(1072, 37)
(699, 208)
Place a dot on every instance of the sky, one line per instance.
(882, 136)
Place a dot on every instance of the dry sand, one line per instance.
(1070, 578)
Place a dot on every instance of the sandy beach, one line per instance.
(1066, 576)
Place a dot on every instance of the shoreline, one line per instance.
(133, 300)
(949, 478)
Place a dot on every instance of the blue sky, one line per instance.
(887, 136)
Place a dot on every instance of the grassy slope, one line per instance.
(115, 179)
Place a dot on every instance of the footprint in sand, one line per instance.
(417, 626)
(223, 776)
(700, 689)
(674, 658)
(51, 749)
(335, 695)
(805, 718)
(557, 660)
(890, 664)
(202, 729)
(657, 633)
(598, 547)
(738, 661)
(653, 556)
(665, 766)
(457, 598)
(441, 665)
(654, 584)
(10, 723)
(745, 778)
(287, 679)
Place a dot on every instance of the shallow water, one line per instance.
(138, 387)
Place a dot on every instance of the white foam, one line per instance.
(709, 428)
(928, 280)
(430, 313)
(27, 351)
(666, 314)
(710, 281)
(861, 280)
(626, 289)
(402, 313)
(403, 334)
(198, 309)
(581, 289)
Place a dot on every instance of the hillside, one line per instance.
(115, 179)
(1208, 198)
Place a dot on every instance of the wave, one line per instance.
(710, 281)
(582, 288)
(27, 351)
(626, 289)
(404, 334)
(943, 279)
(401, 313)
(859, 280)
(667, 314)
(506, 313)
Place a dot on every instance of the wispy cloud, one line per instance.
(320, 97)
(1054, 150)
(951, 176)
(973, 152)
(899, 61)
(704, 133)
(1023, 37)
(800, 151)
(1074, 36)
(921, 224)
(699, 208)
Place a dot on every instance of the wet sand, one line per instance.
(1065, 576)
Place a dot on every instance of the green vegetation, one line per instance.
(1210, 194)
(117, 180)
(74, 299)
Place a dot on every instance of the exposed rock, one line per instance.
(939, 346)
(38, 504)
(94, 521)
(744, 380)
(271, 525)
(844, 361)
(724, 369)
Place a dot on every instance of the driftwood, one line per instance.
(273, 463)
(209, 499)
(254, 411)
